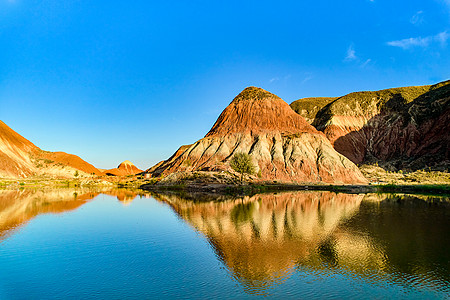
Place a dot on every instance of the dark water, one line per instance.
(115, 245)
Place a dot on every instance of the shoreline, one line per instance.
(250, 189)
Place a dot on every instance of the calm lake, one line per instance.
(118, 244)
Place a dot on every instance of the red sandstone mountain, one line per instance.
(283, 146)
(402, 128)
(21, 158)
(124, 169)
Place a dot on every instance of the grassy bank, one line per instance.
(380, 176)
(251, 189)
(51, 183)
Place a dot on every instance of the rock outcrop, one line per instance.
(401, 128)
(282, 145)
(21, 158)
(124, 169)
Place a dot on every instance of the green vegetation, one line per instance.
(76, 174)
(187, 163)
(369, 103)
(41, 162)
(378, 175)
(50, 182)
(242, 163)
(242, 213)
(255, 93)
(427, 189)
(292, 136)
(319, 109)
(361, 102)
(309, 107)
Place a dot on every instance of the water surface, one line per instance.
(117, 244)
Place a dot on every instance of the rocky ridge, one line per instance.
(400, 128)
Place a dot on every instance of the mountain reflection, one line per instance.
(17, 207)
(123, 195)
(262, 239)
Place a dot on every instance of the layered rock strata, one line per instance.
(404, 128)
(282, 145)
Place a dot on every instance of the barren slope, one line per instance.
(401, 127)
(21, 158)
(283, 146)
(124, 169)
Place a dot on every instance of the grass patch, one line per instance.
(428, 189)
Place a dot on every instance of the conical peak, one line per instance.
(126, 163)
(253, 93)
(256, 110)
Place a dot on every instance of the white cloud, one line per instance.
(284, 78)
(364, 64)
(307, 78)
(411, 42)
(417, 19)
(351, 54)
(442, 37)
(421, 41)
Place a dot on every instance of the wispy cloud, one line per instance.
(351, 54)
(417, 18)
(356, 59)
(308, 77)
(280, 79)
(442, 37)
(364, 64)
(411, 42)
(421, 41)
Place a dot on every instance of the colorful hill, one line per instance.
(20, 158)
(282, 145)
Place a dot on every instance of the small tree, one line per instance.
(242, 163)
(76, 174)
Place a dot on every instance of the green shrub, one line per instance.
(242, 163)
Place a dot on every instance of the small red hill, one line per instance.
(124, 169)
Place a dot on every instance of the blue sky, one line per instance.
(117, 80)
